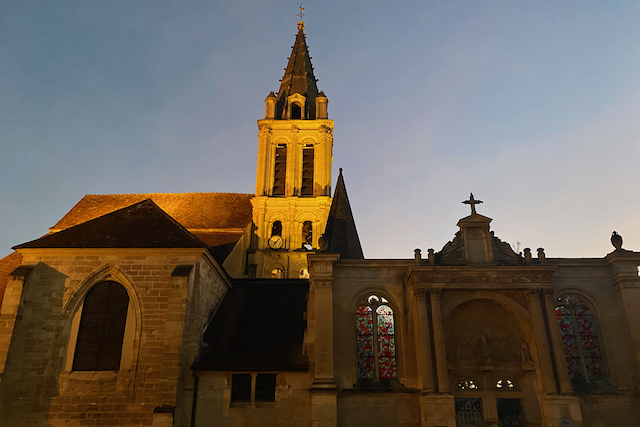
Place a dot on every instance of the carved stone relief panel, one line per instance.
(484, 333)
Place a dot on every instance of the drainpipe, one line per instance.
(195, 398)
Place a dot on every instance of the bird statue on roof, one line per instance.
(616, 241)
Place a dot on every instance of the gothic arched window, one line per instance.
(280, 170)
(375, 334)
(102, 327)
(582, 347)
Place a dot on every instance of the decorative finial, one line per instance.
(301, 15)
(417, 256)
(616, 241)
(340, 174)
(473, 202)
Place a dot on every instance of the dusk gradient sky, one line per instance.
(534, 106)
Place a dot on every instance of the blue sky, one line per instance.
(532, 106)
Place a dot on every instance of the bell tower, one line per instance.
(293, 183)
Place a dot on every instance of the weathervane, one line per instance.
(473, 202)
(301, 14)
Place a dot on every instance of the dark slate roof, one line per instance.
(141, 225)
(298, 76)
(341, 233)
(259, 325)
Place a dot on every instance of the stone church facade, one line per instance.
(218, 309)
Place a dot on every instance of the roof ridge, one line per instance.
(172, 194)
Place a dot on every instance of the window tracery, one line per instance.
(375, 335)
(579, 334)
(505, 384)
(467, 384)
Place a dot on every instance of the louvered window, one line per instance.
(280, 170)
(101, 330)
(307, 171)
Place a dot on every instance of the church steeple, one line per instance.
(298, 97)
(293, 181)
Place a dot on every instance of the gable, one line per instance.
(141, 225)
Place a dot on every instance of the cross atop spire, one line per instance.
(301, 14)
(473, 202)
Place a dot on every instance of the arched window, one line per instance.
(280, 170)
(102, 327)
(582, 347)
(375, 334)
(307, 235)
(276, 229)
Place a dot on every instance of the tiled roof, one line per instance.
(141, 225)
(259, 325)
(195, 211)
(7, 265)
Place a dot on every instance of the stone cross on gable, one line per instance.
(301, 15)
(473, 202)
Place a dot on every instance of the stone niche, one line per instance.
(483, 335)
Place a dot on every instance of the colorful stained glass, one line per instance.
(386, 342)
(589, 341)
(387, 367)
(380, 357)
(364, 332)
(569, 341)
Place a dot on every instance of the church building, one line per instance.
(260, 309)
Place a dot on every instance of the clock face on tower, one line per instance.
(276, 242)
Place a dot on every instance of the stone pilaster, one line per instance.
(438, 341)
(624, 269)
(556, 342)
(324, 402)
(423, 341)
(543, 354)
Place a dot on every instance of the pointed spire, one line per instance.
(298, 77)
(341, 233)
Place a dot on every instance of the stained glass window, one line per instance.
(580, 339)
(375, 334)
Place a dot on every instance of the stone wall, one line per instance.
(38, 387)
(292, 407)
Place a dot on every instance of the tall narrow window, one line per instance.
(280, 170)
(276, 228)
(307, 235)
(307, 171)
(296, 111)
(375, 334)
(101, 330)
(580, 340)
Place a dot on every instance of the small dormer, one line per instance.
(296, 107)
